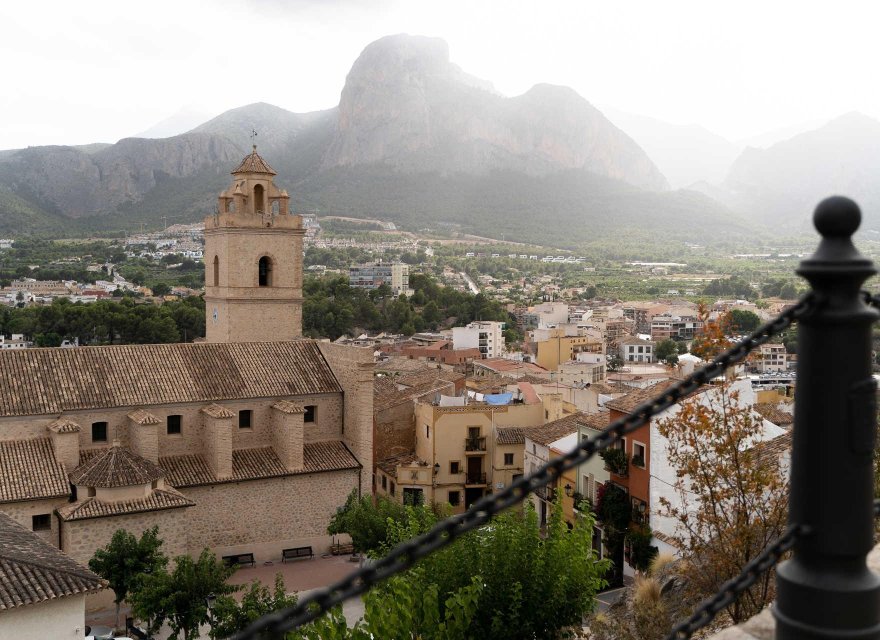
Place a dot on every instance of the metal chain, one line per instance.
(731, 590)
(407, 553)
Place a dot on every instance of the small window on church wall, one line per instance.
(309, 415)
(216, 271)
(230, 206)
(244, 419)
(99, 432)
(174, 425)
(259, 202)
(275, 207)
(265, 271)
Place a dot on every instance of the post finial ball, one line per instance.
(837, 217)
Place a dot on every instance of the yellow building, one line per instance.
(559, 348)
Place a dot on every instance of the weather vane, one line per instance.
(254, 138)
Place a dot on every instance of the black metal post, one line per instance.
(826, 589)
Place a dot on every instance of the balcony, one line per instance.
(475, 445)
(475, 478)
(548, 494)
(616, 461)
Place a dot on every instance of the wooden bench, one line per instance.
(239, 559)
(296, 552)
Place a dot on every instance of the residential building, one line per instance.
(373, 276)
(641, 314)
(487, 336)
(635, 349)
(443, 352)
(675, 326)
(558, 348)
(17, 341)
(42, 591)
(771, 358)
(459, 447)
(542, 444)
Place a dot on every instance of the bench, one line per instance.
(239, 559)
(296, 552)
(341, 549)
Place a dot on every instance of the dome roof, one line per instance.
(115, 467)
(254, 163)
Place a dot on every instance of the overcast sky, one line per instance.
(90, 71)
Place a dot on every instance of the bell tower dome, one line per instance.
(253, 260)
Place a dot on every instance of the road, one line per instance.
(470, 283)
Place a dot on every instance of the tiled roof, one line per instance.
(115, 467)
(254, 163)
(417, 378)
(629, 402)
(251, 464)
(510, 435)
(771, 450)
(158, 500)
(774, 414)
(32, 570)
(216, 411)
(388, 400)
(143, 417)
(30, 471)
(64, 425)
(552, 431)
(383, 385)
(389, 464)
(595, 420)
(45, 381)
(285, 406)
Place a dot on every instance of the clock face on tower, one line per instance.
(215, 315)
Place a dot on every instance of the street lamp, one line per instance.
(568, 490)
(436, 468)
(210, 599)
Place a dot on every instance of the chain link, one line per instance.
(406, 554)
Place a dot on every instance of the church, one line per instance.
(246, 443)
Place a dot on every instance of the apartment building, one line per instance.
(372, 276)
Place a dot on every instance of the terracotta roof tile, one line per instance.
(774, 414)
(115, 467)
(158, 500)
(771, 450)
(30, 471)
(389, 464)
(388, 400)
(254, 163)
(595, 420)
(32, 571)
(46, 381)
(552, 431)
(629, 402)
(216, 411)
(262, 462)
(143, 417)
(510, 435)
(285, 406)
(64, 425)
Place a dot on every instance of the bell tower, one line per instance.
(253, 260)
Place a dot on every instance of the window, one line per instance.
(264, 272)
(454, 467)
(41, 522)
(385, 483)
(173, 425)
(92, 492)
(454, 498)
(639, 454)
(99, 432)
(413, 497)
(244, 419)
(508, 459)
(427, 431)
(392, 487)
(310, 413)
(275, 208)
(473, 432)
(216, 271)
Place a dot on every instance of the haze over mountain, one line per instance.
(414, 139)
(684, 153)
(783, 183)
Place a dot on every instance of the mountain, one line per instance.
(686, 154)
(783, 184)
(179, 122)
(769, 138)
(414, 138)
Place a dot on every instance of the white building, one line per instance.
(43, 591)
(372, 276)
(636, 349)
(16, 342)
(771, 358)
(487, 336)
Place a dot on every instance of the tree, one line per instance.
(126, 559)
(230, 616)
(712, 338)
(366, 521)
(179, 598)
(743, 321)
(732, 498)
(667, 351)
(161, 289)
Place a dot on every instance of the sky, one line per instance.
(98, 71)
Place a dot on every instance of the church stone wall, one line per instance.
(22, 513)
(294, 511)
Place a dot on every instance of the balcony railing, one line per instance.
(475, 444)
(475, 478)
